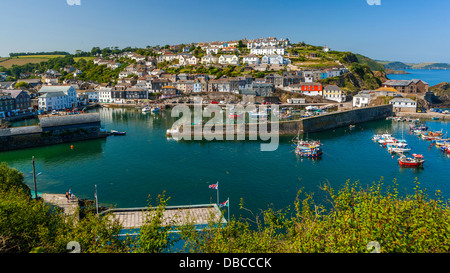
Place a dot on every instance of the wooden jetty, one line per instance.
(70, 207)
(198, 215)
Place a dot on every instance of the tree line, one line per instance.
(38, 53)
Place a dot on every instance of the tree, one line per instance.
(21, 85)
(25, 223)
(12, 178)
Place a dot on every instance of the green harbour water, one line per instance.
(127, 169)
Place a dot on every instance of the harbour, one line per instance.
(144, 163)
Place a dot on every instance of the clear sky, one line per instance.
(396, 30)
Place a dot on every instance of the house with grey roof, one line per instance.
(404, 105)
(413, 86)
(363, 98)
(22, 100)
(57, 97)
(334, 93)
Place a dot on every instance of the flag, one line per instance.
(224, 204)
(214, 186)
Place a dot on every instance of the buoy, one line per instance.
(71, 147)
(392, 156)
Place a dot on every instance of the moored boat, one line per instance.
(311, 151)
(416, 161)
(118, 133)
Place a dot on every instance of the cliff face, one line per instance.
(442, 91)
(361, 76)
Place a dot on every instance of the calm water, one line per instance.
(433, 77)
(127, 169)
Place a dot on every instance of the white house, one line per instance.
(270, 41)
(57, 97)
(251, 59)
(92, 95)
(210, 50)
(187, 60)
(124, 74)
(168, 57)
(104, 95)
(52, 101)
(271, 50)
(229, 59)
(404, 105)
(273, 59)
(362, 99)
(209, 59)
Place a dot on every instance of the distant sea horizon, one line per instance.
(431, 76)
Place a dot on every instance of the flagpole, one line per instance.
(217, 192)
(228, 200)
(96, 198)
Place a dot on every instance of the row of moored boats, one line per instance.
(400, 147)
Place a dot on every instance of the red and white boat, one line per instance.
(416, 161)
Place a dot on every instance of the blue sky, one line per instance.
(408, 31)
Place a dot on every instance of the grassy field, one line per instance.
(76, 59)
(8, 62)
(39, 56)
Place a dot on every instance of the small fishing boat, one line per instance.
(416, 161)
(387, 140)
(308, 143)
(311, 151)
(421, 127)
(118, 133)
(432, 135)
(155, 109)
(398, 149)
(441, 142)
(377, 138)
(146, 109)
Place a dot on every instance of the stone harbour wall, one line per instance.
(57, 130)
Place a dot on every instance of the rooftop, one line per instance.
(132, 218)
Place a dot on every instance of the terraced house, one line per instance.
(334, 93)
(224, 84)
(229, 59)
(6, 104)
(22, 100)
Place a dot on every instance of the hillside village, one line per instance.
(265, 70)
